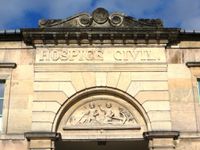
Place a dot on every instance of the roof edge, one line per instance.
(11, 35)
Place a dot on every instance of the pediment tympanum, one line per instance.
(101, 114)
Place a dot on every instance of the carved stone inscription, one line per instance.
(100, 55)
(101, 114)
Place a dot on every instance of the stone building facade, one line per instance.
(100, 81)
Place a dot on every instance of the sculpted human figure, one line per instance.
(90, 115)
(108, 113)
(101, 114)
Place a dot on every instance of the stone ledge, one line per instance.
(161, 134)
(192, 64)
(11, 136)
(42, 135)
(8, 65)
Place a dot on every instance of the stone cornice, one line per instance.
(89, 35)
(29, 34)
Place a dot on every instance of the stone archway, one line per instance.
(101, 113)
(102, 118)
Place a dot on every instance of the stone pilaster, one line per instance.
(41, 140)
(161, 140)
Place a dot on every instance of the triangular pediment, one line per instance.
(100, 18)
(100, 27)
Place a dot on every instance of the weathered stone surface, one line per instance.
(159, 115)
(89, 79)
(179, 71)
(161, 125)
(50, 96)
(52, 76)
(46, 106)
(112, 79)
(143, 96)
(14, 126)
(77, 81)
(41, 144)
(124, 81)
(101, 78)
(148, 76)
(43, 116)
(184, 121)
(41, 126)
(135, 87)
(156, 105)
(188, 143)
(175, 56)
(65, 87)
(13, 145)
(189, 44)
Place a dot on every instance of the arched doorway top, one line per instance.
(101, 112)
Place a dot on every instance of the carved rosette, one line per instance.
(100, 15)
(116, 19)
(101, 114)
(85, 20)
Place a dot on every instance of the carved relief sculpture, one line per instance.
(101, 114)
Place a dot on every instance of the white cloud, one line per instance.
(175, 12)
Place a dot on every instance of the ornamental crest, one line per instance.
(100, 18)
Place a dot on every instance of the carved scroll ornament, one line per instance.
(100, 18)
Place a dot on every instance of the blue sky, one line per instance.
(15, 14)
